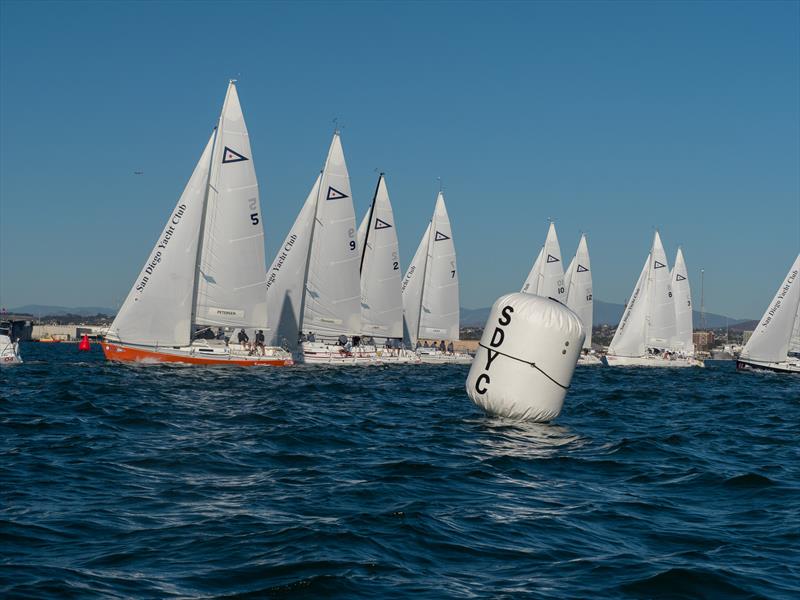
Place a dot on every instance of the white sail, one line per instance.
(285, 278)
(381, 298)
(531, 285)
(794, 341)
(158, 309)
(411, 289)
(579, 290)
(568, 275)
(682, 297)
(231, 289)
(333, 289)
(629, 337)
(771, 339)
(547, 275)
(440, 308)
(362, 231)
(661, 309)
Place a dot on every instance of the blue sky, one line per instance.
(611, 118)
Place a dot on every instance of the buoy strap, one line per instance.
(527, 362)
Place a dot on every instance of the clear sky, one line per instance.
(611, 118)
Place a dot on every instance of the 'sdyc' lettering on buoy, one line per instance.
(497, 340)
(538, 341)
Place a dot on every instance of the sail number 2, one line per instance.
(253, 204)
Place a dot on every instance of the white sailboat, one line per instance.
(206, 269)
(546, 277)
(430, 291)
(775, 343)
(646, 332)
(579, 298)
(9, 349)
(313, 285)
(381, 296)
(682, 300)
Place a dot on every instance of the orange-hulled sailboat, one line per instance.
(205, 275)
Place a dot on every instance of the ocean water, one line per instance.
(386, 482)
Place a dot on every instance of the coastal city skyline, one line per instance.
(614, 121)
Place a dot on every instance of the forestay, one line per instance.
(439, 314)
(231, 289)
(381, 298)
(158, 309)
(285, 278)
(333, 289)
(579, 289)
(771, 339)
(682, 296)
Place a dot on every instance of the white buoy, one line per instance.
(526, 358)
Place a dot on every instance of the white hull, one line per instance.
(9, 351)
(786, 366)
(443, 358)
(651, 361)
(397, 357)
(317, 353)
(587, 360)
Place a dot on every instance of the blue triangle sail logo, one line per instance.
(440, 237)
(232, 156)
(381, 224)
(659, 265)
(551, 258)
(334, 194)
(582, 269)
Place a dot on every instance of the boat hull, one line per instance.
(9, 352)
(588, 360)
(444, 358)
(651, 361)
(774, 367)
(317, 353)
(140, 354)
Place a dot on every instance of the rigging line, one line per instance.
(534, 365)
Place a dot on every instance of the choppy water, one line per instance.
(377, 482)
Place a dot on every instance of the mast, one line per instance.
(702, 299)
(431, 230)
(369, 224)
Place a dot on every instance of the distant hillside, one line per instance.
(607, 313)
(47, 310)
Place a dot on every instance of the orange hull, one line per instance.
(118, 352)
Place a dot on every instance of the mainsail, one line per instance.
(333, 288)
(285, 276)
(381, 299)
(547, 275)
(578, 281)
(158, 309)
(231, 290)
(682, 296)
(661, 307)
(771, 340)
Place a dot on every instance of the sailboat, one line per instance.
(381, 296)
(578, 283)
(9, 349)
(430, 291)
(682, 300)
(546, 277)
(775, 343)
(647, 330)
(206, 270)
(313, 285)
